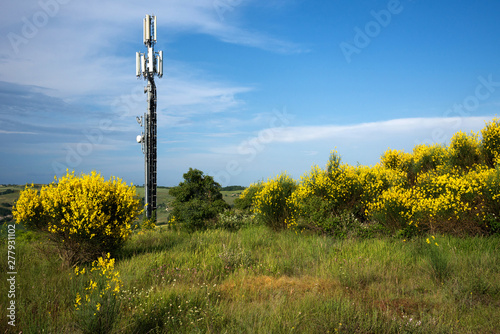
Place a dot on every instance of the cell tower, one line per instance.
(147, 65)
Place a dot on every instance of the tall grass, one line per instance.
(259, 281)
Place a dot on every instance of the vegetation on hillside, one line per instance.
(198, 201)
(435, 189)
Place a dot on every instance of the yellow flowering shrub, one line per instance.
(449, 189)
(464, 150)
(491, 142)
(436, 188)
(394, 209)
(84, 216)
(428, 157)
(325, 195)
(394, 159)
(245, 200)
(444, 201)
(316, 198)
(490, 210)
(450, 202)
(270, 202)
(97, 306)
(371, 182)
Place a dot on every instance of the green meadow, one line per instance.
(256, 280)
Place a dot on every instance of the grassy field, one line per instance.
(259, 281)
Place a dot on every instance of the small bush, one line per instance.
(146, 223)
(491, 193)
(393, 209)
(97, 307)
(428, 157)
(491, 142)
(464, 150)
(233, 220)
(198, 201)
(84, 216)
(396, 160)
(271, 202)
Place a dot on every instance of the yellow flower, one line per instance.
(78, 301)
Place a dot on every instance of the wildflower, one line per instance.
(78, 300)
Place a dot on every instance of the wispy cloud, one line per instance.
(409, 127)
(6, 132)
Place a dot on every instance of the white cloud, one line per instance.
(418, 128)
(297, 148)
(78, 41)
(17, 132)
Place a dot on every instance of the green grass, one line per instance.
(230, 196)
(259, 281)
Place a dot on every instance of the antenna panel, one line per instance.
(137, 64)
(143, 64)
(147, 28)
(154, 30)
(160, 64)
(151, 60)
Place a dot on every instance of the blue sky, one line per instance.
(250, 88)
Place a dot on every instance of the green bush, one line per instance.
(198, 201)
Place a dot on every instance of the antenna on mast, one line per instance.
(147, 65)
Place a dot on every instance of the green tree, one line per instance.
(198, 200)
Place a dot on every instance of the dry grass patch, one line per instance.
(263, 287)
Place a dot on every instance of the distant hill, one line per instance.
(233, 188)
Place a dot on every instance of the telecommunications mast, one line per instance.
(148, 64)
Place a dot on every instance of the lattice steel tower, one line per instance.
(148, 65)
